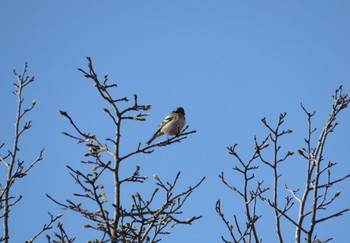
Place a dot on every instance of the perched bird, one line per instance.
(171, 125)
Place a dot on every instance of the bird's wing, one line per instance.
(166, 120)
(159, 132)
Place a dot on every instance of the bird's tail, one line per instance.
(154, 137)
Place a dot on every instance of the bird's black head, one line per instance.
(180, 110)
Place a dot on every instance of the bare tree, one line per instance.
(145, 220)
(316, 195)
(319, 179)
(16, 168)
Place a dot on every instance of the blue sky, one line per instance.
(228, 63)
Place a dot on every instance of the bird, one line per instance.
(171, 125)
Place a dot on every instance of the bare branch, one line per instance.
(45, 227)
(16, 168)
(316, 195)
(143, 222)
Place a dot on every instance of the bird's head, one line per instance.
(180, 110)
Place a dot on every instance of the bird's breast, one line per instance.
(174, 126)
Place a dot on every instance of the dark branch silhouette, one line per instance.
(16, 168)
(316, 195)
(144, 221)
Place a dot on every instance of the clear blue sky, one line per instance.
(228, 63)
